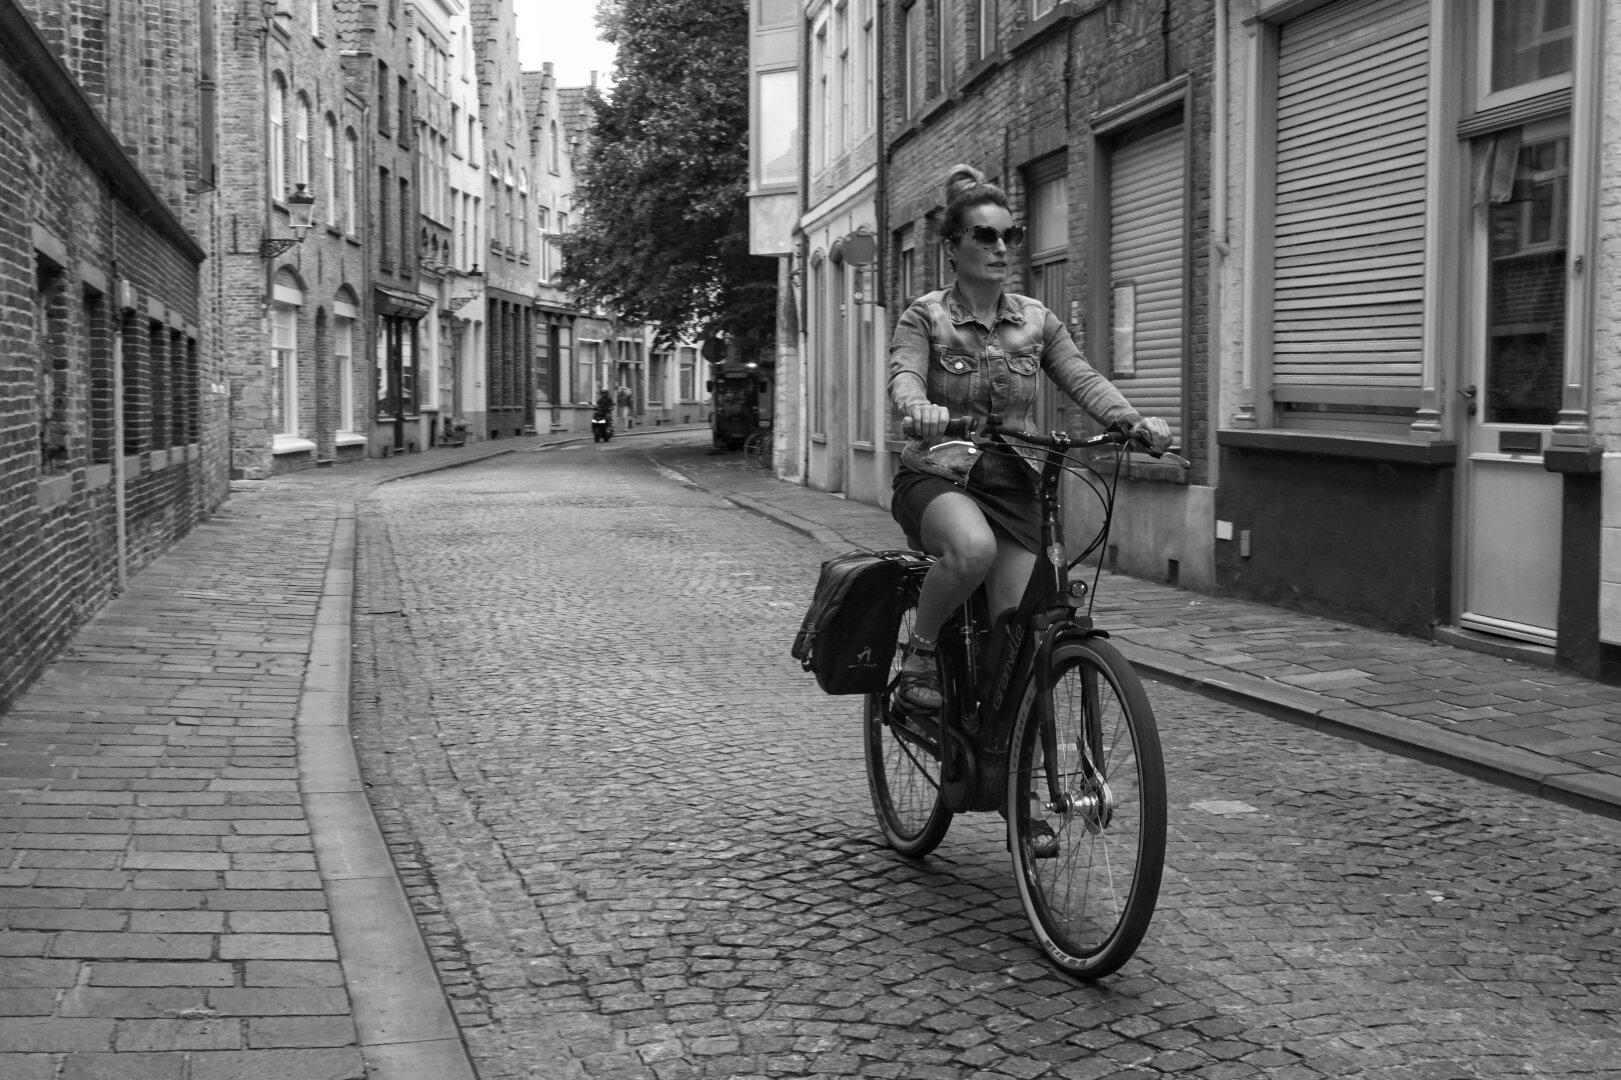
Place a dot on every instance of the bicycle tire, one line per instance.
(1089, 906)
(903, 766)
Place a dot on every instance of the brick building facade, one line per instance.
(510, 280)
(295, 305)
(1096, 119)
(111, 423)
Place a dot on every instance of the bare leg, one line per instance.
(965, 548)
(1005, 584)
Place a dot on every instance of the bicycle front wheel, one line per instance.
(1086, 811)
(903, 765)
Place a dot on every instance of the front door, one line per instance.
(1511, 390)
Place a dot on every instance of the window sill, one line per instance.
(351, 438)
(1365, 447)
(54, 490)
(291, 444)
(978, 74)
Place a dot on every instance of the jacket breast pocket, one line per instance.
(1024, 363)
(951, 378)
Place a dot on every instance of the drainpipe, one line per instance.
(1218, 237)
(120, 475)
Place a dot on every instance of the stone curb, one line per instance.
(1505, 766)
(403, 1019)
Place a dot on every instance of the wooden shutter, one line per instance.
(1348, 291)
(1146, 258)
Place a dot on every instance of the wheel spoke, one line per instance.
(1090, 902)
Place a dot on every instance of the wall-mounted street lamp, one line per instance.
(301, 213)
(459, 302)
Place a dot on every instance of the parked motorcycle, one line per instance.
(602, 425)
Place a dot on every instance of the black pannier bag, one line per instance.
(848, 637)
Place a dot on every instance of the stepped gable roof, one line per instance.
(573, 110)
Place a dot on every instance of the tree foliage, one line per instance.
(662, 187)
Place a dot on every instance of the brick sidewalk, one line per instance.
(1527, 727)
(191, 882)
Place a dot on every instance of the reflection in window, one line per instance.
(1526, 309)
(779, 127)
(1530, 41)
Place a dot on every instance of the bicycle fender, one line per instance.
(1051, 638)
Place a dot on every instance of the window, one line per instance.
(351, 209)
(301, 143)
(315, 18)
(913, 71)
(329, 168)
(343, 360)
(868, 64)
(284, 369)
(53, 382)
(157, 356)
(1530, 43)
(406, 231)
(947, 53)
(385, 218)
(523, 212)
(779, 127)
(844, 91)
(555, 153)
(404, 131)
(382, 97)
(278, 136)
(456, 130)
(688, 361)
(985, 28)
(818, 101)
(908, 265)
(98, 345)
(545, 222)
(1038, 8)
(1048, 222)
(180, 390)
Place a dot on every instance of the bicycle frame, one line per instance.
(1046, 614)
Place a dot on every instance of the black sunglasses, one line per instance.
(1013, 235)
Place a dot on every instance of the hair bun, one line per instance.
(961, 180)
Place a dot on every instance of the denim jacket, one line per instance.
(941, 353)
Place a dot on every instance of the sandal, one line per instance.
(1043, 841)
(919, 686)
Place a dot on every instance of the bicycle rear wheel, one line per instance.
(1090, 903)
(903, 765)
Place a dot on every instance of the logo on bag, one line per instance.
(863, 658)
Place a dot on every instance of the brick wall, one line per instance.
(95, 266)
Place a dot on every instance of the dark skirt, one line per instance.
(1002, 485)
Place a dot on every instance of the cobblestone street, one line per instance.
(639, 841)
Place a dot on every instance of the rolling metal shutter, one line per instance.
(1146, 259)
(1348, 293)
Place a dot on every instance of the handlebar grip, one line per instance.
(958, 427)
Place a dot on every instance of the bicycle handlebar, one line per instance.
(972, 428)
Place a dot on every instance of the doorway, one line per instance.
(1512, 385)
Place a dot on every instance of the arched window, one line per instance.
(556, 152)
(351, 152)
(301, 143)
(277, 137)
(329, 174)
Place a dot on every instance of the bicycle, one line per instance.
(1044, 721)
(757, 448)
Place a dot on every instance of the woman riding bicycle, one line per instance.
(975, 350)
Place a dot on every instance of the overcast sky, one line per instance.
(563, 32)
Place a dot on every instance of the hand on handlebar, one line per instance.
(1153, 432)
(927, 420)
